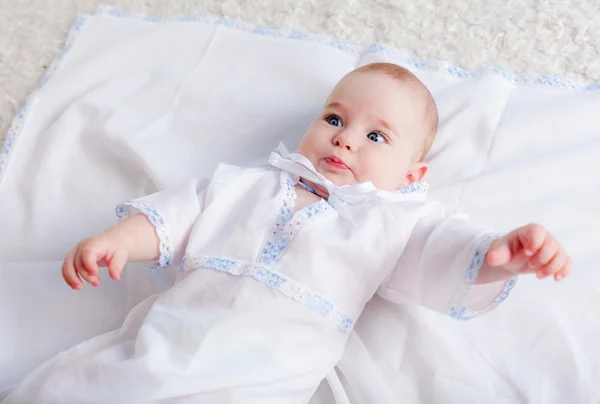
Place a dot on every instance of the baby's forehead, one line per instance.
(393, 86)
(382, 89)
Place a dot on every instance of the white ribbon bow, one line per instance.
(339, 196)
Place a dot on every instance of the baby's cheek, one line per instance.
(368, 172)
(388, 176)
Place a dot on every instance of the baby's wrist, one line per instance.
(137, 237)
(121, 239)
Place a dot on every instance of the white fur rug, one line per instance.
(527, 36)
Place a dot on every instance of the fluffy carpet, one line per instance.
(526, 36)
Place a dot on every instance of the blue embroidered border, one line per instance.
(19, 119)
(158, 222)
(458, 310)
(287, 223)
(275, 280)
(342, 45)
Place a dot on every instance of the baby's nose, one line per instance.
(345, 141)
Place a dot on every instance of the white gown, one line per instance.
(267, 297)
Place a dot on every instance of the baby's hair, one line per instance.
(400, 73)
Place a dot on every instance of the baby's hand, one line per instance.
(83, 262)
(530, 249)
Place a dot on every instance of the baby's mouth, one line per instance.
(336, 163)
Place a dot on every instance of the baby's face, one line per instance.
(371, 129)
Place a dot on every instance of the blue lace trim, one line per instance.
(275, 280)
(19, 119)
(287, 224)
(458, 311)
(335, 43)
(415, 187)
(409, 60)
(158, 222)
(458, 72)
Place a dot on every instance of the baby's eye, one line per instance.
(334, 120)
(376, 137)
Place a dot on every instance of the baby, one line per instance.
(278, 263)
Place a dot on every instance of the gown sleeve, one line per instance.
(439, 266)
(173, 213)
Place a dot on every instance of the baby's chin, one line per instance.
(339, 179)
(348, 179)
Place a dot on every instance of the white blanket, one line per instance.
(136, 104)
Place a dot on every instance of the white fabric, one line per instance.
(340, 196)
(552, 36)
(270, 296)
(136, 106)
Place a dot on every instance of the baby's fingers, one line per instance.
(116, 264)
(83, 272)
(532, 238)
(499, 253)
(566, 269)
(90, 258)
(547, 252)
(555, 264)
(69, 274)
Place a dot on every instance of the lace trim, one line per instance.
(278, 239)
(335, 43)
(407, 59)
(274, 279)
(287, 224)
(451, 69)
(415, 187)
(158, 222)
(458, 310)
(19, 119)
(458, 72)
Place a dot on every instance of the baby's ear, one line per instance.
(416, 172)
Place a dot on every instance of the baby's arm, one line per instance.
(445, 256)
(133, 239)
(528, 249)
